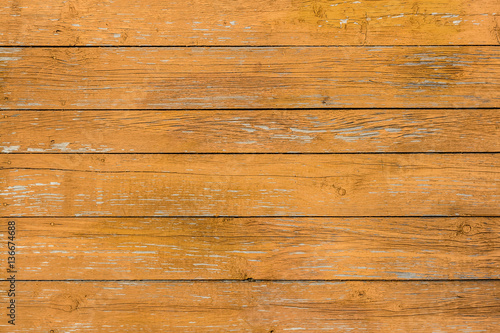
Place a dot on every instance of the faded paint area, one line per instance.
(9, 149)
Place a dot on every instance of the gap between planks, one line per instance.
(240, 46)
(250, 280)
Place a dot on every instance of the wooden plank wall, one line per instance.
(250, 166)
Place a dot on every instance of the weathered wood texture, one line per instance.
(162, 242)
(256, 307)
(251, 131)
(197, 78)
(249, 185)
(261, 22)
(257, 248)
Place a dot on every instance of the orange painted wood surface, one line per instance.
(269, 77)
(249, 185)
(250, 131)
(269, 166)
(258, 248)
(261, 22)
(189, 306)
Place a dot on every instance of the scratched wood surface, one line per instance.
(251, 166)
(259, 248)
(250, 131)
(249, 185)
(261, 22)
(246, 77)
(455, 306)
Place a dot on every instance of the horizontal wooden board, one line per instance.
(249, 185)
(261, 22)
(249, 131)
(274, 77)
(257, 248)
(255, 307)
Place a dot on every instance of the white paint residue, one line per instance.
(306, 131)
(17, 188)
(9, 149)
(61, 146)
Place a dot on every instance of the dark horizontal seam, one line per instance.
(264, 280)
(244, 153)
(248, 46)
(260, 109)
(246, 216)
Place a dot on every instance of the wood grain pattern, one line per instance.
(200, 78)
(257, 307)
(249, 185)
(250, 131)
(261, 22)
(257, 248)
(262, 166)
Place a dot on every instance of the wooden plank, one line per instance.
(198, 78)
(261, 22)
(257, 248)
(249, 131)
(249, 185)
(255, 307)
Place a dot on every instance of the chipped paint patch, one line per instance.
(9, 149)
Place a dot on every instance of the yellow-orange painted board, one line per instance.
(256, 248)
(250, 131)
(278, 307)
(249, 185)
(258, 22)
(261, 77)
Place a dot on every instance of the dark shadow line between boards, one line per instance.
(251, 216)
(251, 46)
(250, 109)
(253, 153)
(250, 280)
